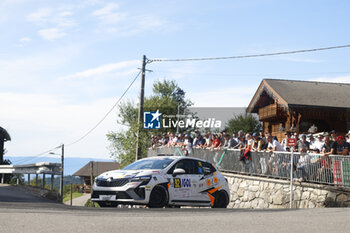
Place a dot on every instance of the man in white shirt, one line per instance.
(274, 145)
(319, 143)
(312, 141)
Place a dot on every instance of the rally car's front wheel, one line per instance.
(221, 199)
(158, 197)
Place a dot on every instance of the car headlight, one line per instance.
(143, 179)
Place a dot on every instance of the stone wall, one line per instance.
(257, 192)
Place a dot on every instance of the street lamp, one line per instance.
(179, 93)
(62, 169)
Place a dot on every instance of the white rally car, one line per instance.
(161, 181)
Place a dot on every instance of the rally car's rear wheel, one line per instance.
(158, 197)
(107, 203)
(221, 199)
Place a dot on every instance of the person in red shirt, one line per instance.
(216, 141)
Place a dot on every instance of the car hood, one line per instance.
(120, 174)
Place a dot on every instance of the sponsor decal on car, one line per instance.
(182, 183)
(208, 182)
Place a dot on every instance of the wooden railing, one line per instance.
(269, 111)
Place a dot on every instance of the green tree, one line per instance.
(245, 121)
(165, 98)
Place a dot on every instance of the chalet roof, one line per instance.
(98, 168)
(4, 134)
(294, 93)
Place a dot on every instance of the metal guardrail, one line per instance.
(315, 168)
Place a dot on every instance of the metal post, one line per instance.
(17, 176)
(2, 178)
(36, 180)
(91, 181)
(62, 173)
(28, 179)
(52, 180)
(43, 180)
(140, 117)
(71, 194)
(178, 112)
(291, 179)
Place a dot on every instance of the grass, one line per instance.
(66, 197)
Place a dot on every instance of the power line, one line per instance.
(257, 74)
(105, 116)
(36, 156)
(85, 135)
(247, 56)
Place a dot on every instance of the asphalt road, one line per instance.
(52, 217)
(14, 194)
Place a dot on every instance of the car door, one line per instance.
(184, 187)
(207, 180)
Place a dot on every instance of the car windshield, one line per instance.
(149, 164)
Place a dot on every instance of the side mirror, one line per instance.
(178, 171)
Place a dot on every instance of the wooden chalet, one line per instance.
(287, 105)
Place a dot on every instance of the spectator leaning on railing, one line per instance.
(319, 143)
(340, 146)
(229, 142)
(302, 144)
(285, 140)
(259, 143)
(273, 145)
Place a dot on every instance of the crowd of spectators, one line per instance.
(325, 143)
(313, 162)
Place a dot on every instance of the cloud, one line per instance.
(236, 96)
(108, 14)
(25, 39)
(52, 33)
(52, 120)
(37, 70)
(107, 10)
(53, 23)
(113, 20)
(301, 60)
(40, 16)
(339, 79)
(105, 69)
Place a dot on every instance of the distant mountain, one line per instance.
(71, 164)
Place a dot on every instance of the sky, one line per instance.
(63, 64)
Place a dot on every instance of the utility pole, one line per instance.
(140, 118)
(91, 181)
(62, 172)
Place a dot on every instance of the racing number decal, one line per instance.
(177, 183)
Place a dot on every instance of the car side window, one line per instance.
(205, 168)
(187, 164)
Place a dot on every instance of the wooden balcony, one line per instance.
(268, 112)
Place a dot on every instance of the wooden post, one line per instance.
(71, 194)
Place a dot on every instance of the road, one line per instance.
(10, 193)
(52, 217)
